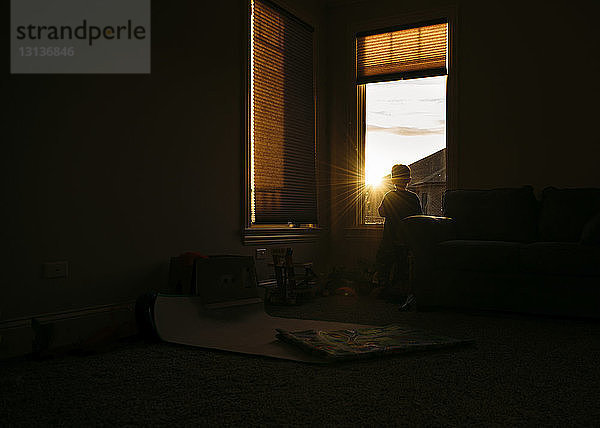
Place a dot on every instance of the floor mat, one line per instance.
(240, 326)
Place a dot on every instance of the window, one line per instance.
(424, 202)
(402, 85)
(281, 176)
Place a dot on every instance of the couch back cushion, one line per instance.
(494, 215)
(565, 212)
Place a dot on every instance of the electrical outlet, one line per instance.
(261, 253)
(55, 270)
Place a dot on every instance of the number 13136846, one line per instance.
(46, 51)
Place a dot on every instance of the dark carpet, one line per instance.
(522, 371)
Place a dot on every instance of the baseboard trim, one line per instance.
(23, 336)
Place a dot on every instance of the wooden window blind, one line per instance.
(404, 53)
(283, 178)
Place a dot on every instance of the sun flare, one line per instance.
(375, 172)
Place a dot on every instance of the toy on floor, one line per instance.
(289, 288)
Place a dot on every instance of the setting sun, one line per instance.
(375, 170)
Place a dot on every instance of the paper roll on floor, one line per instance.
(239, 326)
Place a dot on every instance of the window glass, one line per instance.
(405, 123)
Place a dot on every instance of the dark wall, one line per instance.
(117, 173)
(527, 95)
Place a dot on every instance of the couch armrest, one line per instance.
(423, 232)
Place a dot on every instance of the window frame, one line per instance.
(357, 226)
(265, 234)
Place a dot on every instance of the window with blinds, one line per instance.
(401, 78)
(408, 52)
(282, 118)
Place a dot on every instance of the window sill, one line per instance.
(261, 235)
(364, 232)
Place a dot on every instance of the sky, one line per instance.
(406, 121)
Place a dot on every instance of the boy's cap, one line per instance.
(400, 172)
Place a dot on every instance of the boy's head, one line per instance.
(400, 175)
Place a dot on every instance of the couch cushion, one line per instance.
(590, 235)
(565, 212)
(495, 215)
(483, 256)
(560, 258)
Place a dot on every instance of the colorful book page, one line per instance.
(366, 342)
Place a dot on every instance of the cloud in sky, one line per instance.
(382, 112)
(405, 130)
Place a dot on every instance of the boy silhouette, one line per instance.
(396, 205)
